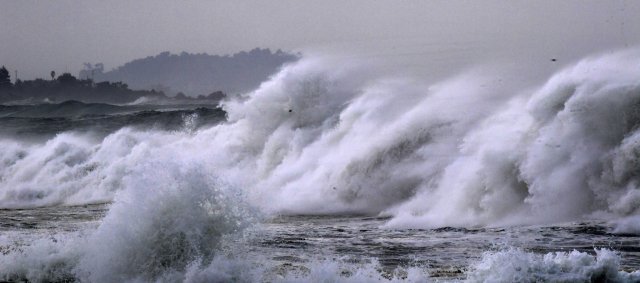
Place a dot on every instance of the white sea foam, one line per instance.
(226, 270)
(46, 261)
(515, 265)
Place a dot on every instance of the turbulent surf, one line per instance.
(334, 171)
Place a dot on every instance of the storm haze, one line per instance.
(38, 37)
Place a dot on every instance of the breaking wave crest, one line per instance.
(470, 150)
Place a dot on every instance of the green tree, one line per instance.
(5, 79)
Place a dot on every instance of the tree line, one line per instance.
(68, 87)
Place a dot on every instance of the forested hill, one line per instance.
(195, 74)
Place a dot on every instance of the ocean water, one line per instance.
(334, 174)
(331, 248)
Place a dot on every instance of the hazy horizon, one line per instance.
(42, 36)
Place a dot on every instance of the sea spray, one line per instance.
(460, 152)
(466, 151)
(163, 221)
(73, 168)
(318, 139)
(169, 214)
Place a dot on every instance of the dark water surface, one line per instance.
(291, 243)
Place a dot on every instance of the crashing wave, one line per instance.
(316, 139)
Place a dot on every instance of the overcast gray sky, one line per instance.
(39, 36)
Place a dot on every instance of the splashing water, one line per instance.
(319, 138)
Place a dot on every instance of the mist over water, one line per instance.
(324, 137)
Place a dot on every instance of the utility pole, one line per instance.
(16, 77)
